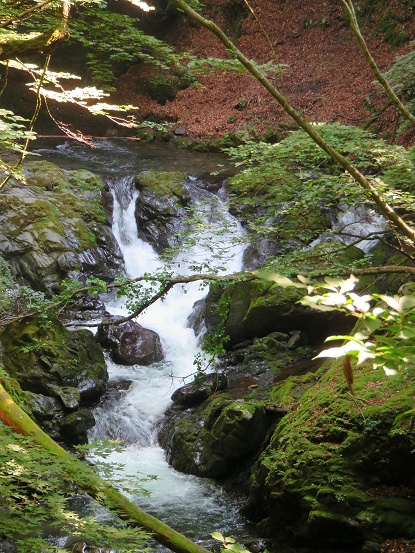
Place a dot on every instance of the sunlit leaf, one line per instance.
(406, 302)
(349, 347)
(372, 324)
(361, 302)
(280, 280)
(391, 301)
(314, 303)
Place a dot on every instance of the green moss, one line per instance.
(162, 183)
(332, 447)
(64, 203)
(291, 389)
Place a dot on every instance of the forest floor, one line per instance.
(327, 77)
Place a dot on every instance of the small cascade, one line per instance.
(358, 226)
(355, 223)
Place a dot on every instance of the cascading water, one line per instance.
(191, 505)
(139, 395)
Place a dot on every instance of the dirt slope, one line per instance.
(327, 79)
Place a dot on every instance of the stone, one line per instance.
(131, 344)
(75, 426)
(60, 372)
(256, 309)
(160, 207)
(197, 391)
(56, 227)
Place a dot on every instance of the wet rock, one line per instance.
(45, 408)
(196, 392)
(160, 208)
(69, 395)
(8, 546)
(298, 338)
(75, 426)
(131, 344)
(220, 439)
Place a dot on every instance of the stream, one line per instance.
(191, 505)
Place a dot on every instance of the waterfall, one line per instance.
(192, 505)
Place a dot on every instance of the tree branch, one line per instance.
(354, 24)
(167, 284)
(40, 44)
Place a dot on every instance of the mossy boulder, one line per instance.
(47, 358)
(217, 439)
(160, 208)
(339, 468)
(55, 227)
(62, 372)
(254, 309)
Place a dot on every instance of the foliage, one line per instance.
(295, 180)
(385, 334)
(229, 544)
(98, 31)
(35, 486)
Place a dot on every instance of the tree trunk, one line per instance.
(101, 491)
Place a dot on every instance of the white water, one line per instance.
(355, 223)
(189, 504)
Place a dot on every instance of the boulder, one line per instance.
(131, 344)
(55, 227)
(75, 426)
(62, 372)
(200, 389)
(343, 469)
(254, 309)
(161, 207)
(218, 440)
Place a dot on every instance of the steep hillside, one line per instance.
(327, 77)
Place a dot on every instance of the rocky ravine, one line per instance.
(321, 469)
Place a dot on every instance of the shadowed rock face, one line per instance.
(194, 393)
(258, 308)
(131, 344)
(62, 372)
(160, 208)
